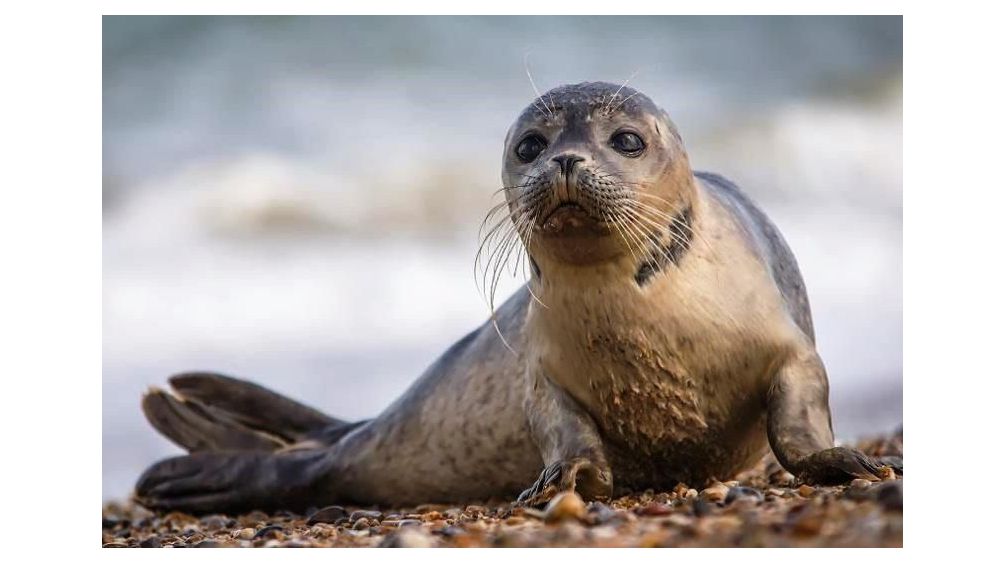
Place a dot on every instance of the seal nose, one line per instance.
(567, 161)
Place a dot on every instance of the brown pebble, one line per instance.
(565, 506)
(245, 533)
(886, 473)
(369, 514)
(806, 491)
(654, 509)
(328, 515)
(268, 531)
(780, 476)
(808, 524)
(408, 537)
(890, 495)
(409, 522)
(860, 483)
(715, 493)
(217, 522)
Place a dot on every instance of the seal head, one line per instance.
(589, 168)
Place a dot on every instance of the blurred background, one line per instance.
(297, 200)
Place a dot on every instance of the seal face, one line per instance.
(664, 336)
(575, 163)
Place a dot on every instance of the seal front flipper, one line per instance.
(238, 481)
(569, 442)
(800, 430)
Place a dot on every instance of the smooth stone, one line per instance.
(328, 515)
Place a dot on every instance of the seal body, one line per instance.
(664, 337)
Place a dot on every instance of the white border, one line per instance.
(51, 241)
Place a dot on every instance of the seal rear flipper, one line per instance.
(196, 428)
(253, 406)
(237, 481)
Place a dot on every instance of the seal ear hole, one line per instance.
(530, 147)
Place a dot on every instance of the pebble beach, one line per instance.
(762, 507)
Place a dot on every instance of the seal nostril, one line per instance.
(567, 161)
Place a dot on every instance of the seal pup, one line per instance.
(664, 336)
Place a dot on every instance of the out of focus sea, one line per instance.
(297, 200)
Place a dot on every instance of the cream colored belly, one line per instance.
(670, 407)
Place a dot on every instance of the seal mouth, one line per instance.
(565, 209)
(567, 217)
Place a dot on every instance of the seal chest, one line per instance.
(655, 376)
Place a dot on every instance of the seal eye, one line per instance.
(628, 143)
(530, 147)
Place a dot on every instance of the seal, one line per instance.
(664, 336)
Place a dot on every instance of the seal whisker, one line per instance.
(496, 251)
(649, 232)
(614, 218)
(679, 220)
(500, 256)
(622, 103)
(535, 87)
(641, 236)
(667, 227)
(608, 105)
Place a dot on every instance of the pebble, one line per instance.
(781, 477)
(451, 531)
(408, 537)
(886, 473)
(743, 493)
(409, 522)
(565, 506)
(108, 522)
(476, 511)
(601, 513)
(860, 514)
(369, 514)
(217, 522)
(267, 531)
(654, 509)
(715, 493)
(889, 495)
(702, 507)
(860, 483)
(328, 515)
